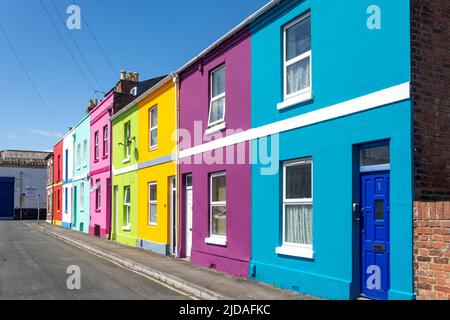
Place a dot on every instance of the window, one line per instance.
(375, 156)
(297, 57)
(152, 203)
(82, 196)
(217, 104)
(66, 199)
(67, 165)
(153, 134)
(105, 141)
(78, 156)
(297, 208)
(96, 146)
(126, 207)
(59, 167)
(98, 195)
(218, 205)
(127, 135)
(84, 152)
(58, 201)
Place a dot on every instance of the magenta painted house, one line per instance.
(100, 166)
(215, 212)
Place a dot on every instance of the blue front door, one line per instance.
(6, 198)
(375, 234)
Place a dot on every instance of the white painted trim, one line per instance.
(301, 252)
(216, 128)
(216, 240)
(80, 177)
(367, 102)
(299, 98)
(144, 165)
(379, 167)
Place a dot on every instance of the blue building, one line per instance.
(331, 91)
(81, 167)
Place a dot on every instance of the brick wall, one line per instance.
(430, 61)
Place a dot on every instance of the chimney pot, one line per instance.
(136, 76)
(123, 75)
(130, 76)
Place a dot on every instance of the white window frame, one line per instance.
(304, 94)
(215, 98)
(85, 152)
(289, 248)
(152, 128)
(82, 196)
(96, 145)
(78, 155)
(152, 202)
(105, 141)
(127, 208)
(98, 196)
(215, 239)
(127, 131)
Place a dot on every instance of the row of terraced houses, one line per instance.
(308, 148)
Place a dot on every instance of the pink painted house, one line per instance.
(100, 174)
(125, 91)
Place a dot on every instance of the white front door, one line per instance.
(189, 202)
(173, 216)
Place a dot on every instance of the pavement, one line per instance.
(33, 265)
(194, 281)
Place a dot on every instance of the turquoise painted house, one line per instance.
(81, 184)
(331, 99)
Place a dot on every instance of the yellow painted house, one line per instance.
(156, 171)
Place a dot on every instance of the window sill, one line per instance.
(96, 160)
(105, 157)
(303, 97)
(126, 160)
(300, 252)
(153, 148)
(152, 224)
(126, 228)
(218, 241)
(215, 128)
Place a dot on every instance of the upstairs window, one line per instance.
(105, 141)
(96, 146)
(82, 196)
(78, 156)
(127, 135)
(85, 152)
(153, 125)
(217, 103)
(297, 57)
(98, 195)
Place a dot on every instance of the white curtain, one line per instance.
(298, 224)
(298, 76)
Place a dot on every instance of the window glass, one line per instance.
(374, 156)
(219, 189)
(298, 38)
(219, 220)
(298, 181)
(298, 76)
(218, 82)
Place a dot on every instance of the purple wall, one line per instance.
(194, 106)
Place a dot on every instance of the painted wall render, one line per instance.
(100, 168)
(234, 256)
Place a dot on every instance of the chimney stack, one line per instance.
(123, 75)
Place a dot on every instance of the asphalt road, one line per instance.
(33, 265)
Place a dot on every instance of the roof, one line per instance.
(143, 86)
(23, 158)
(150, 86)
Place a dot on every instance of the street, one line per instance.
(33, 265)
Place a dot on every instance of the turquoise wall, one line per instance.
(348, 61)
(80, 175)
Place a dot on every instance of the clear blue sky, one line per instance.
(148, 36)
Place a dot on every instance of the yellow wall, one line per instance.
(164, 98)
(160, 233)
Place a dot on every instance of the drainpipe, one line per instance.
(177, 156)
(110, 188)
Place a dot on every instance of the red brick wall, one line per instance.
(430, 61)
